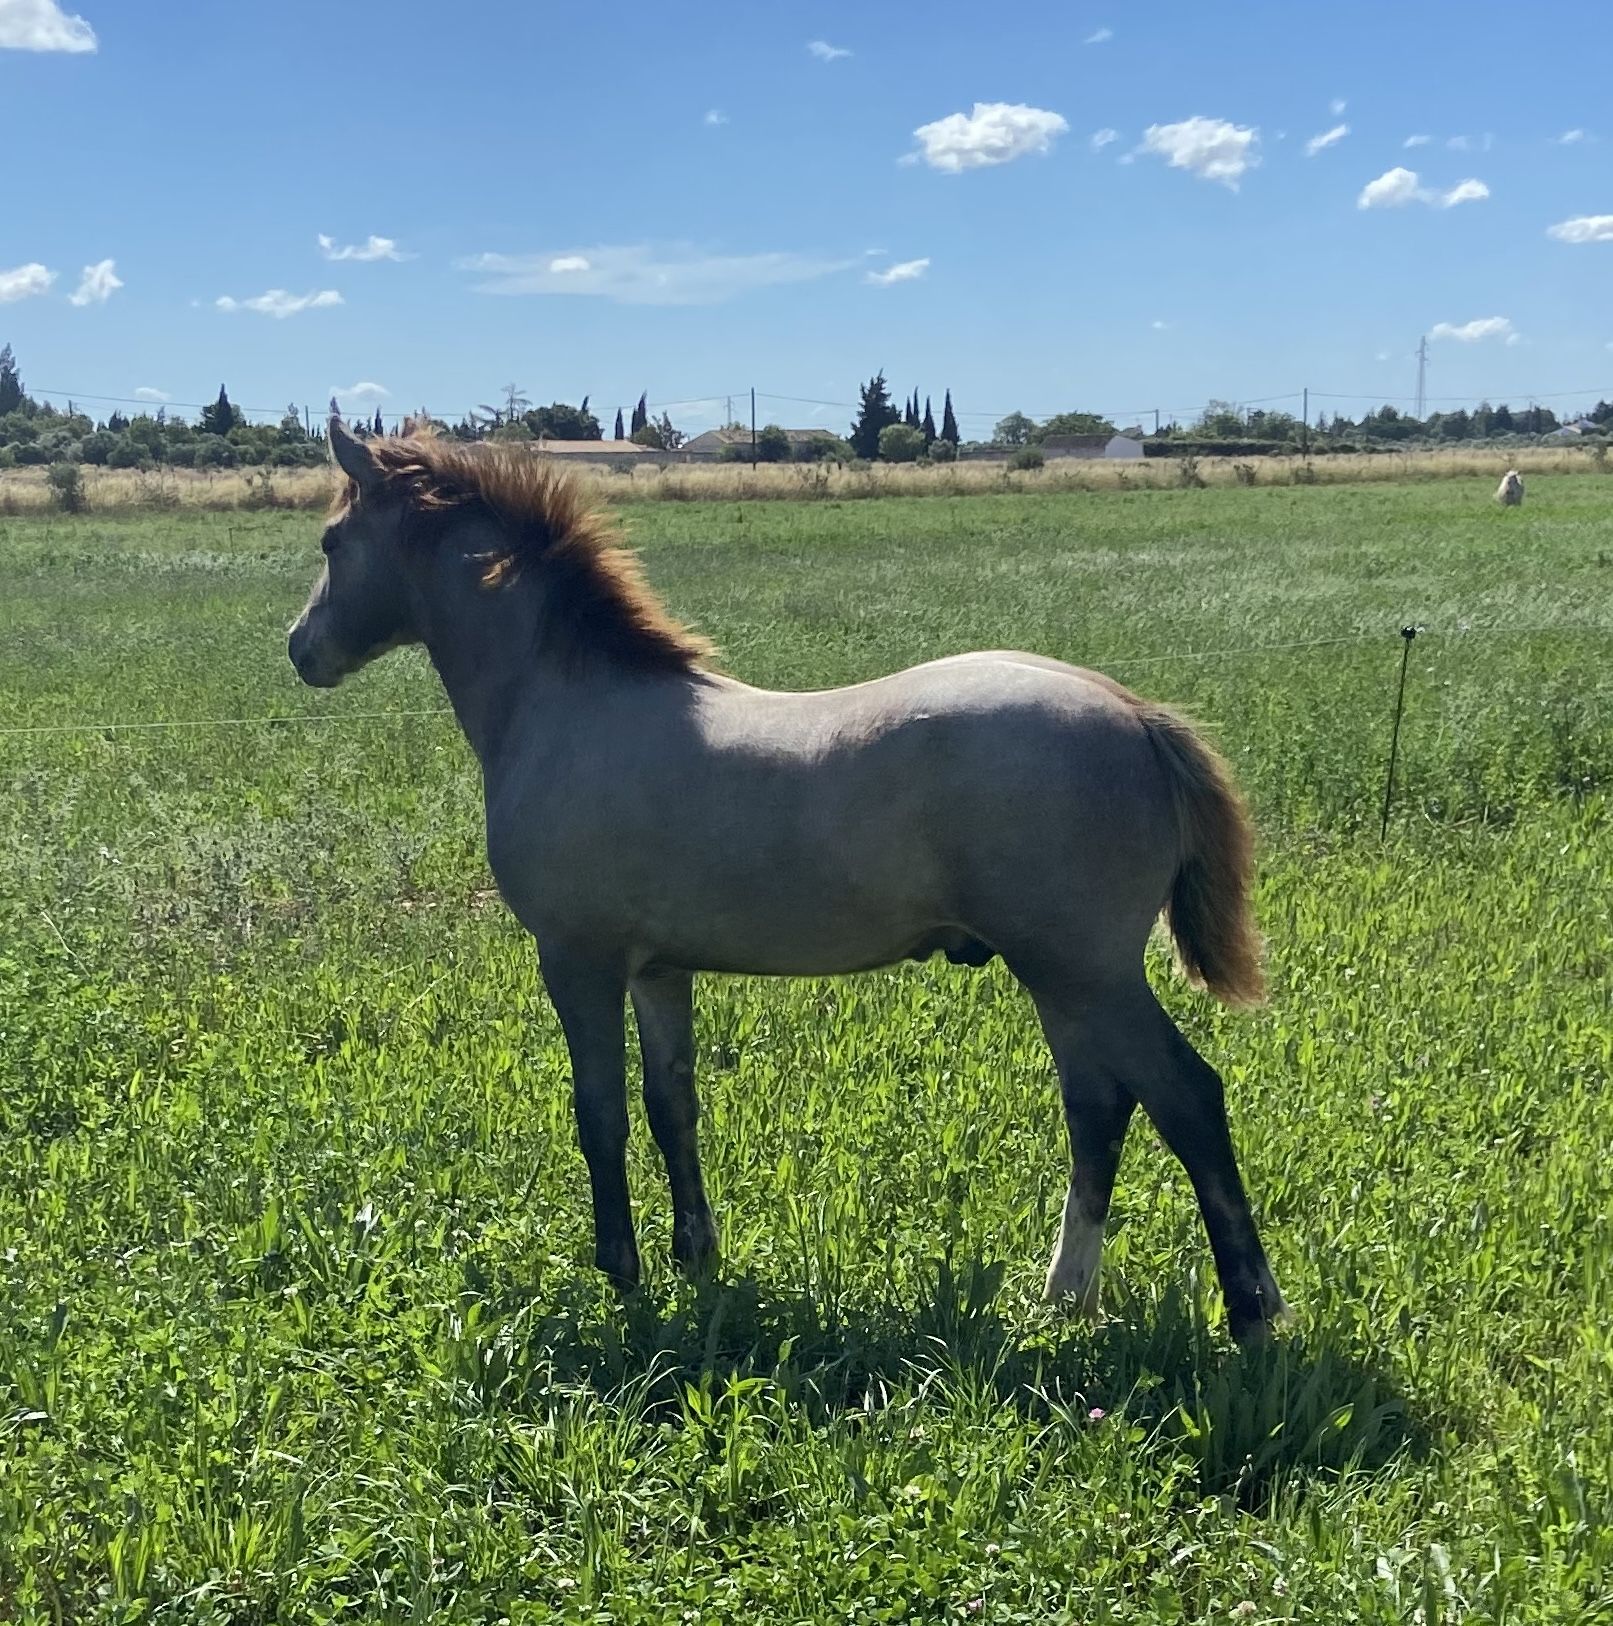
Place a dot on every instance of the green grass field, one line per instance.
(296, 1316)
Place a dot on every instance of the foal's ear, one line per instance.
(353, 456)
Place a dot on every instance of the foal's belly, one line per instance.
(798, 959)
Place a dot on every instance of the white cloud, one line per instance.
(825, 52)
(1328, 138)
(994, 133)
(907, 271)
(1382, 355)
(1583, 229)
(1337, 106)
(359, 394)
(1159, 326)
(1468, 191)
(372, 248)
(1416, 141)
(1213, 149)
(98, 284)
(715, 116)
(24, 282)
(146, 393)
(1391, 190)
(1462, 143)
(1571, 138)
(42, 25)
(1099, 36)
(279, 304)
(1459, 143)
(1100, 139)
(564, 264)
(1397, 187)
(636, 274)
(1482, 327)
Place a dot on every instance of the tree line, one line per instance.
(36, 432)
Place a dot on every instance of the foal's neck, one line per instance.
(483, 642)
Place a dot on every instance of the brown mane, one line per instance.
(596, 598)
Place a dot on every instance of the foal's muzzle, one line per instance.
(316, 673)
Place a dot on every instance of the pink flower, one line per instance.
(1096, 1415)
(975, 1605)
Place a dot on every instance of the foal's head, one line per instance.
(360, 606)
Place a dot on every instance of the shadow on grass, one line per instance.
(1298, 1409)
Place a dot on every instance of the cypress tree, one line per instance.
(928, 425)
(949, 423)
(620, 432)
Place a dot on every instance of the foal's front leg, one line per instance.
(663, 1004)
(588, 1000)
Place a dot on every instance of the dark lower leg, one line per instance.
(1188, 1106)
(663, 1007)
(588, 1001)
(1097, 1112)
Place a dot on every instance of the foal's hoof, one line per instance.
(619, 1267)
(1257, 1331)
(695, 1248)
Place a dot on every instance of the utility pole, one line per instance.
(1306, 420)
(1156, 420)
(753, 426)
(1422, 378)
(307, 426)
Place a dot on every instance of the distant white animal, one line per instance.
(1510, 492)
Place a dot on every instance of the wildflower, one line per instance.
(974, 1606)
(1096, 1415)
(1243, 1610)
(992, 1549)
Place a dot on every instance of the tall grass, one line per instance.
(26, 491)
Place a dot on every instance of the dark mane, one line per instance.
(595, 594)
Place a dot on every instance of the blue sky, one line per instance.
(1078, 205)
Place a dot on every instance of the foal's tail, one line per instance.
(1209, 909)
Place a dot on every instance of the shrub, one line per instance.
(1027, 457)
(824, 448)
(214, 453)
(943, 451)
(900, 443)
(97, 447)
(1187, 472)
(123, 454)
(772, 445)
(67, 487)
(1244, 473)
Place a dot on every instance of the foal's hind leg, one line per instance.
(1097, 1112)
(1131, 1040)
(662, 1003)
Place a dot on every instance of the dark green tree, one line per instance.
(949, 421)
(875, 411)
(641, 414)
(220, 418)
(562, 422)
(772, 445)
(621, 433)
(10, 383)
(378, 428)
(928, 424)
(1015, 430)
